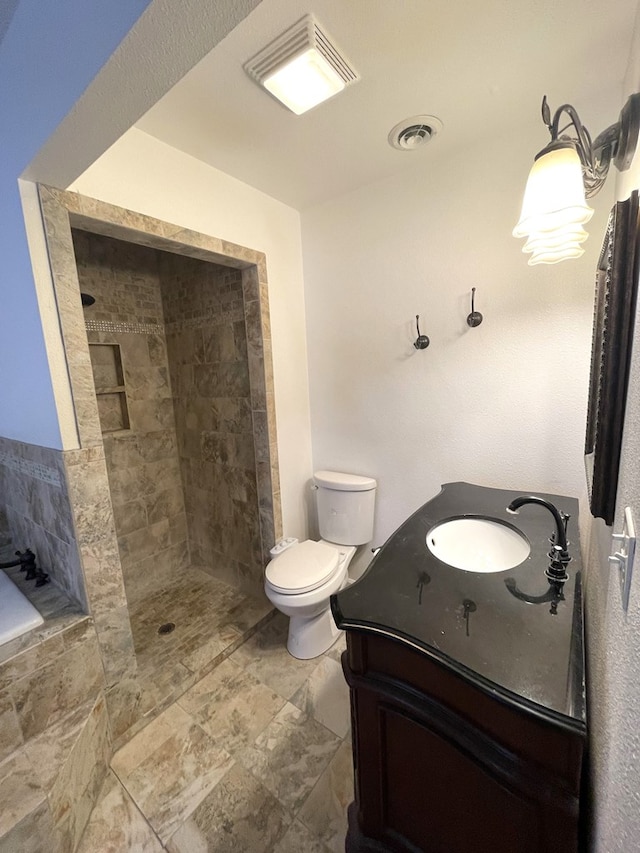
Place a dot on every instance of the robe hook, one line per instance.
(422, 341)
(475, 318)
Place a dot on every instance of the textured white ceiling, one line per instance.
(480, 67)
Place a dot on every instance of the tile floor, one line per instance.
(253, 758)
(211, 620)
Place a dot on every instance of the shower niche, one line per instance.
(108, 376)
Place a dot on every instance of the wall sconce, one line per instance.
(301, 67)
(564, 174)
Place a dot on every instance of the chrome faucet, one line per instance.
(558, 555)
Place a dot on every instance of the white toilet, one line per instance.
(303, 575)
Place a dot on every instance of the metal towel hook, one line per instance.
(475, 318)
(422, 341)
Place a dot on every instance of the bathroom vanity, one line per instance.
(467, 690)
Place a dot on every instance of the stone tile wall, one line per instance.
(142, 461)
(34, 504)
(89, 495)
(207, 344)
(55, 745)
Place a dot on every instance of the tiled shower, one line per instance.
(168, 349)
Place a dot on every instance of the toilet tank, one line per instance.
(346, 503)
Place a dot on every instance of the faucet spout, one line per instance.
(561, 536)
(558, 555)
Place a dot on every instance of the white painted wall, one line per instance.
(145, 175)
(613, 636)
(500, 405)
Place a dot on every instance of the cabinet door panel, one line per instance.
(443, 801)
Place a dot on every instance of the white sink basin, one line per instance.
(477, 544)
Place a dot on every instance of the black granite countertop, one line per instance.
(528, 654)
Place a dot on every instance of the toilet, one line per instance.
(302, 576)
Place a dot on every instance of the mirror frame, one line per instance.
(613, 330)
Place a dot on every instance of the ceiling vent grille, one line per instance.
(414, 132)
(302, 36)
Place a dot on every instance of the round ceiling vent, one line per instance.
(414, 132)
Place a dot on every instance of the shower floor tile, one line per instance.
(211, 620)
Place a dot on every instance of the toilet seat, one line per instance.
(303, 568)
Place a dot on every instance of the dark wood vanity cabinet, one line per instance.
(443, 766)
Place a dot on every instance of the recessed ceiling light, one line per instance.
(414, 132)
(302, 67)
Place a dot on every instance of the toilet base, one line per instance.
(309, 638)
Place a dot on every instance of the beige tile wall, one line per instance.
(55, 745)
(142, 461)
(207, 344)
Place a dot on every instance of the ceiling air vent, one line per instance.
(414, 132)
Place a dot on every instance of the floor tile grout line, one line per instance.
(284, 702)
(237, 759)
(285, 829)
(199, 803)
(191, 810)
(135, 805)
(318, 780)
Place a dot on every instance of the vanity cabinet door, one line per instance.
(427, 780)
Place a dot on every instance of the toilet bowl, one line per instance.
(302, 577)
(299, 582)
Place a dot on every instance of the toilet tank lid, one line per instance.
(344, 482)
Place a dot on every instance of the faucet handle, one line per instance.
(557, 571)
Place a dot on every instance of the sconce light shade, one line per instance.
(565, 173)
(554, 196)
(552, 255)
(555, 239)
(549, 247)
(554, 207)
(302, 67)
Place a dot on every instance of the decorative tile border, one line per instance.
(37, 470)
(131, 328)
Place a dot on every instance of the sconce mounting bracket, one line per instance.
(628, 128)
